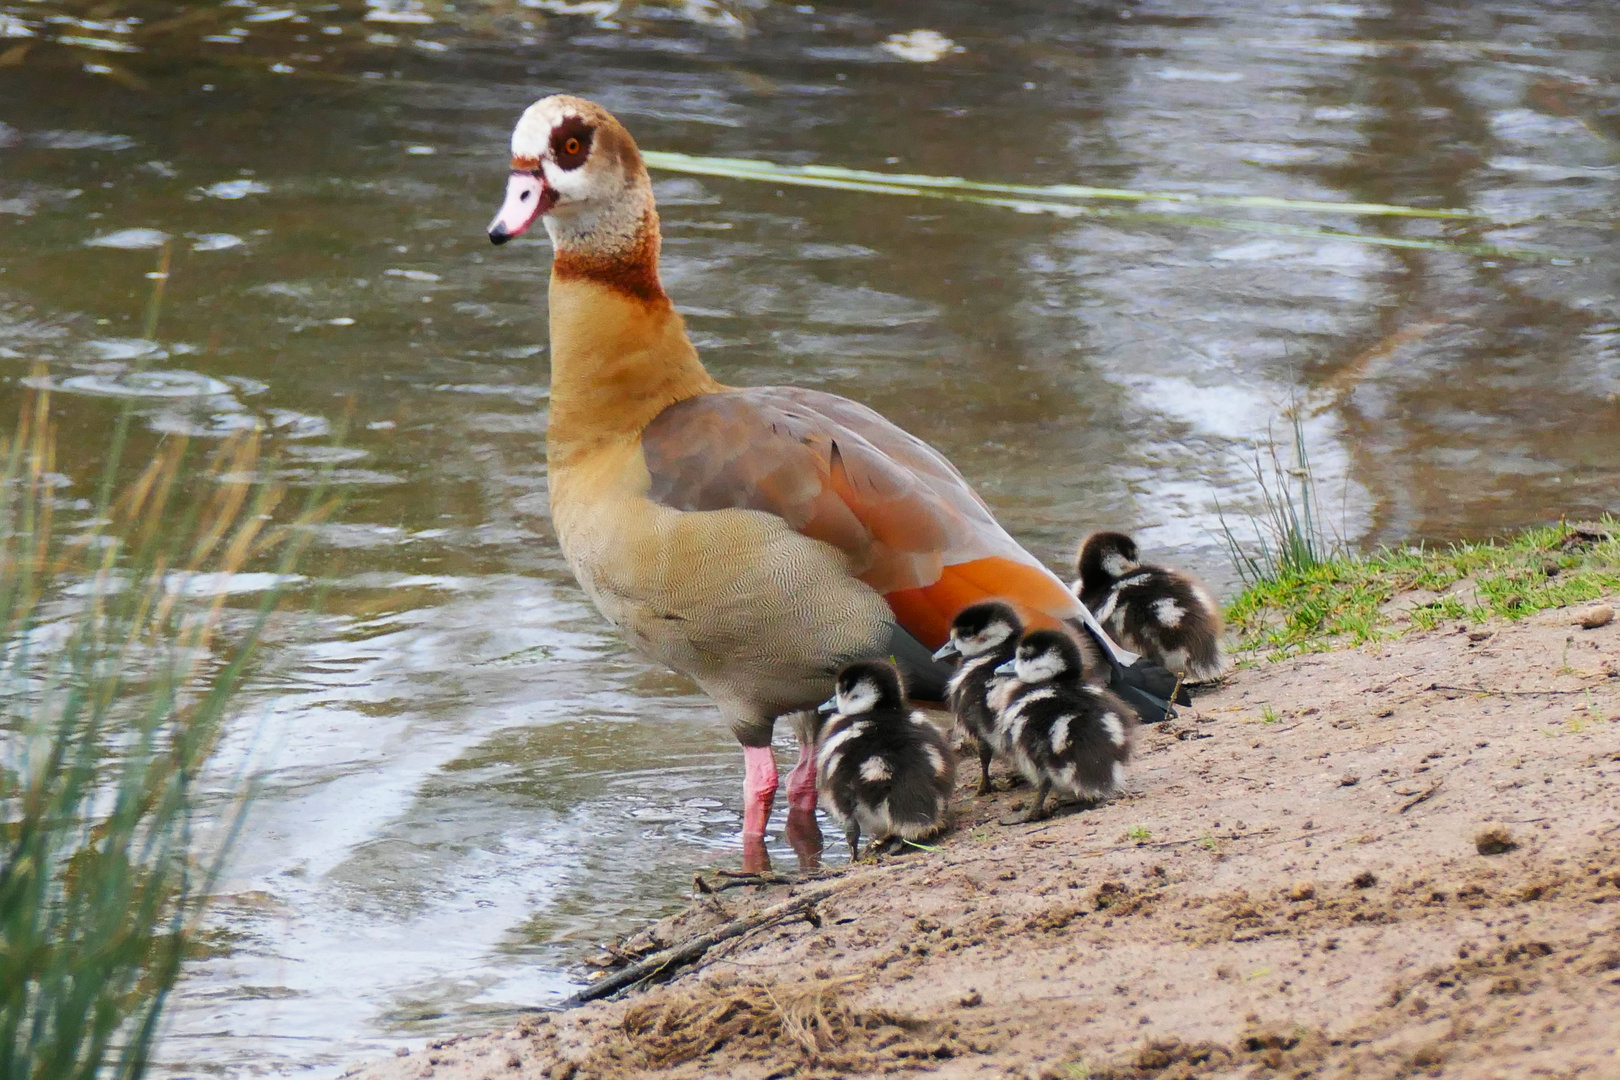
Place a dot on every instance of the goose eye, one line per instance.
(571, 146)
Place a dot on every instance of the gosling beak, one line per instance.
(828, 707)
(527, 197)
(1008, 668)
(946, 651)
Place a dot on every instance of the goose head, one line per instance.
(981, 628)
(1045, 655)
(576, 167)
(1105, 556)
(866, 686)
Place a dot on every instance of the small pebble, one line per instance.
(1595, 616)
(1495, 840)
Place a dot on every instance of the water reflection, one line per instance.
(468, 778)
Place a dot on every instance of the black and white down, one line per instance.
(1059, 731)
(984, 636)
(882, 769)
(1162, 613)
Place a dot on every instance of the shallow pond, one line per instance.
(467, 778)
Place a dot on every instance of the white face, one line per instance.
(862, 697)
(1116, 565)
(532, 139)
(1040, 667)
(556, 172)
(985, 640)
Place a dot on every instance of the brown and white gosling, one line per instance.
(881, 767)
(1060, 731)
(984, 637)
(1165, 614)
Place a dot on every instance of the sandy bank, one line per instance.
(1293, 886)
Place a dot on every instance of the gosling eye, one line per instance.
(525, 196)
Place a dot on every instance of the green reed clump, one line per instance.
(1288, 537)
(117, 671)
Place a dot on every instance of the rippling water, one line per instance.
(466, 777)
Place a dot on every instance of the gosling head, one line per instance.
(1105, 556)
(577, 167)
(866, 686)
(1045, 655)
(981, 628)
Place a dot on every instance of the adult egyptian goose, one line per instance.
(755, 539)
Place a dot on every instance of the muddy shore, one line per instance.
(1390, 861)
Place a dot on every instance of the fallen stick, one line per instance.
(1487, 691)
(1423, 796)
(679, 956)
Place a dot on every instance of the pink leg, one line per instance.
(759, 793)
(803, 833)
(802, 780)
(759, 788)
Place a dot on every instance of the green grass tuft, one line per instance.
(1288, 538)
(1341, 601)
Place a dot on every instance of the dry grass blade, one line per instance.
(812, 1016)
(116, 679)
(815, 1023)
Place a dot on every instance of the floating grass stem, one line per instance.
(1073, 200)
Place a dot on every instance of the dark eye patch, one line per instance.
(571, 142)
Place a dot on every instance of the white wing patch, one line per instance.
(935, 759)
(1116, 730)
(1060, 734)
(1168, 612)
(968, 667)
(1015, 714)
(874, 769)
(837, 738)
(999, 691)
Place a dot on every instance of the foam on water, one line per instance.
(129, 239)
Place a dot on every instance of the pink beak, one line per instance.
(527, 197)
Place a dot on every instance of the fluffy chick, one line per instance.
(1165, 614)
(984, 636)
(1060, 731)
(881, 767)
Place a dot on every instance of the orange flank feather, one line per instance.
(926, 613)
